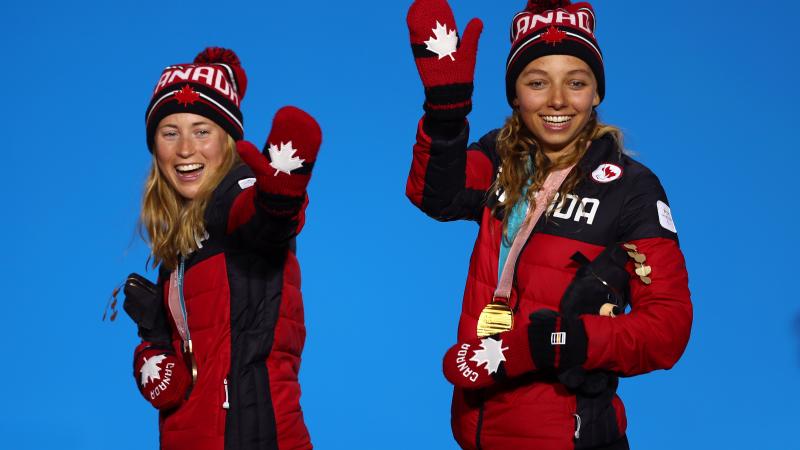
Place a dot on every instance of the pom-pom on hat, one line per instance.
(553, 27)
(212, 86)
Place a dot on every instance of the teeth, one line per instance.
(188, 167)
(556, 119)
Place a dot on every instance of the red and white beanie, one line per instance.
(553, 27)
(213, 86)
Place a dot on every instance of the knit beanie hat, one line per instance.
(212, 86)
(553, 27)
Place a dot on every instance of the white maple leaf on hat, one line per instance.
(443, 42)
(283, 159)
(490, 354)
(150, 370)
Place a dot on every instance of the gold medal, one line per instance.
(495, 318)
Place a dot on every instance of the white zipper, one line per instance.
(225, 404)
(577, 426)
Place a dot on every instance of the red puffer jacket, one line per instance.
(617, 201)
(245, 316)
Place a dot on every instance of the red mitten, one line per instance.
(283, 169)
(478, 364)
(446, 66)
(161, 376)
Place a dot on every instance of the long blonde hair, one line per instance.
(175, 225)
(516, 145)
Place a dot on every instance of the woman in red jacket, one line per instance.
(572, 231)
(222, 329)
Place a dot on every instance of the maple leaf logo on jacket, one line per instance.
(187, 96)
(606, 173)
(150, 370)
(283, 159)
(554, 35)
(490, 354)
(443, 42)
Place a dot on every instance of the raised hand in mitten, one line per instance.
(549, 342)
(161, 376)
(143, 304)
(283, 169)
(445, 65)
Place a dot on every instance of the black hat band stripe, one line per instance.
(588, 42)
(224, 109)
(539, 35)
(209, 99)
(155, 105)
(520, 48)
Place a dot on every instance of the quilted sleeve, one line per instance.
(655, 333)
(448, 180)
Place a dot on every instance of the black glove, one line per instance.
(603, 280)
(143, 303)
(556, 341)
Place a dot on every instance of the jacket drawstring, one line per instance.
(225, 404)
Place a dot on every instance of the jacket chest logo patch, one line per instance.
(606, 173)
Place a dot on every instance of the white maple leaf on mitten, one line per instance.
(490, 354)
(443, 42)
(283, 159)
(150, 370)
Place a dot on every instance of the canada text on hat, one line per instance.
(527, 24)
(215, 76)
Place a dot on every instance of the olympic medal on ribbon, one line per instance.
(495, 318)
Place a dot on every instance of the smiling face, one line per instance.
(189, 149)
(555, 98)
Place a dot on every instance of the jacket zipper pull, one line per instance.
(225, 404)
(577, 426)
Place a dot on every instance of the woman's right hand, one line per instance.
(283, 168)
(144, 306)
(445, 65)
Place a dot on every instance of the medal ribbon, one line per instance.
(542, 199)
(177, 305)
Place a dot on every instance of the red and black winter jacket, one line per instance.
(617, 201)
(245, 315)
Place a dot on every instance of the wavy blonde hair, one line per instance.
(174, 224)
(516, 144)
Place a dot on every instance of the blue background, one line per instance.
(706, 92)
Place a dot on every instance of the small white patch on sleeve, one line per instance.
(665, 216)
(246, 182)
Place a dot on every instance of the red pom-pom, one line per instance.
(219, 55)
(540, 6)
